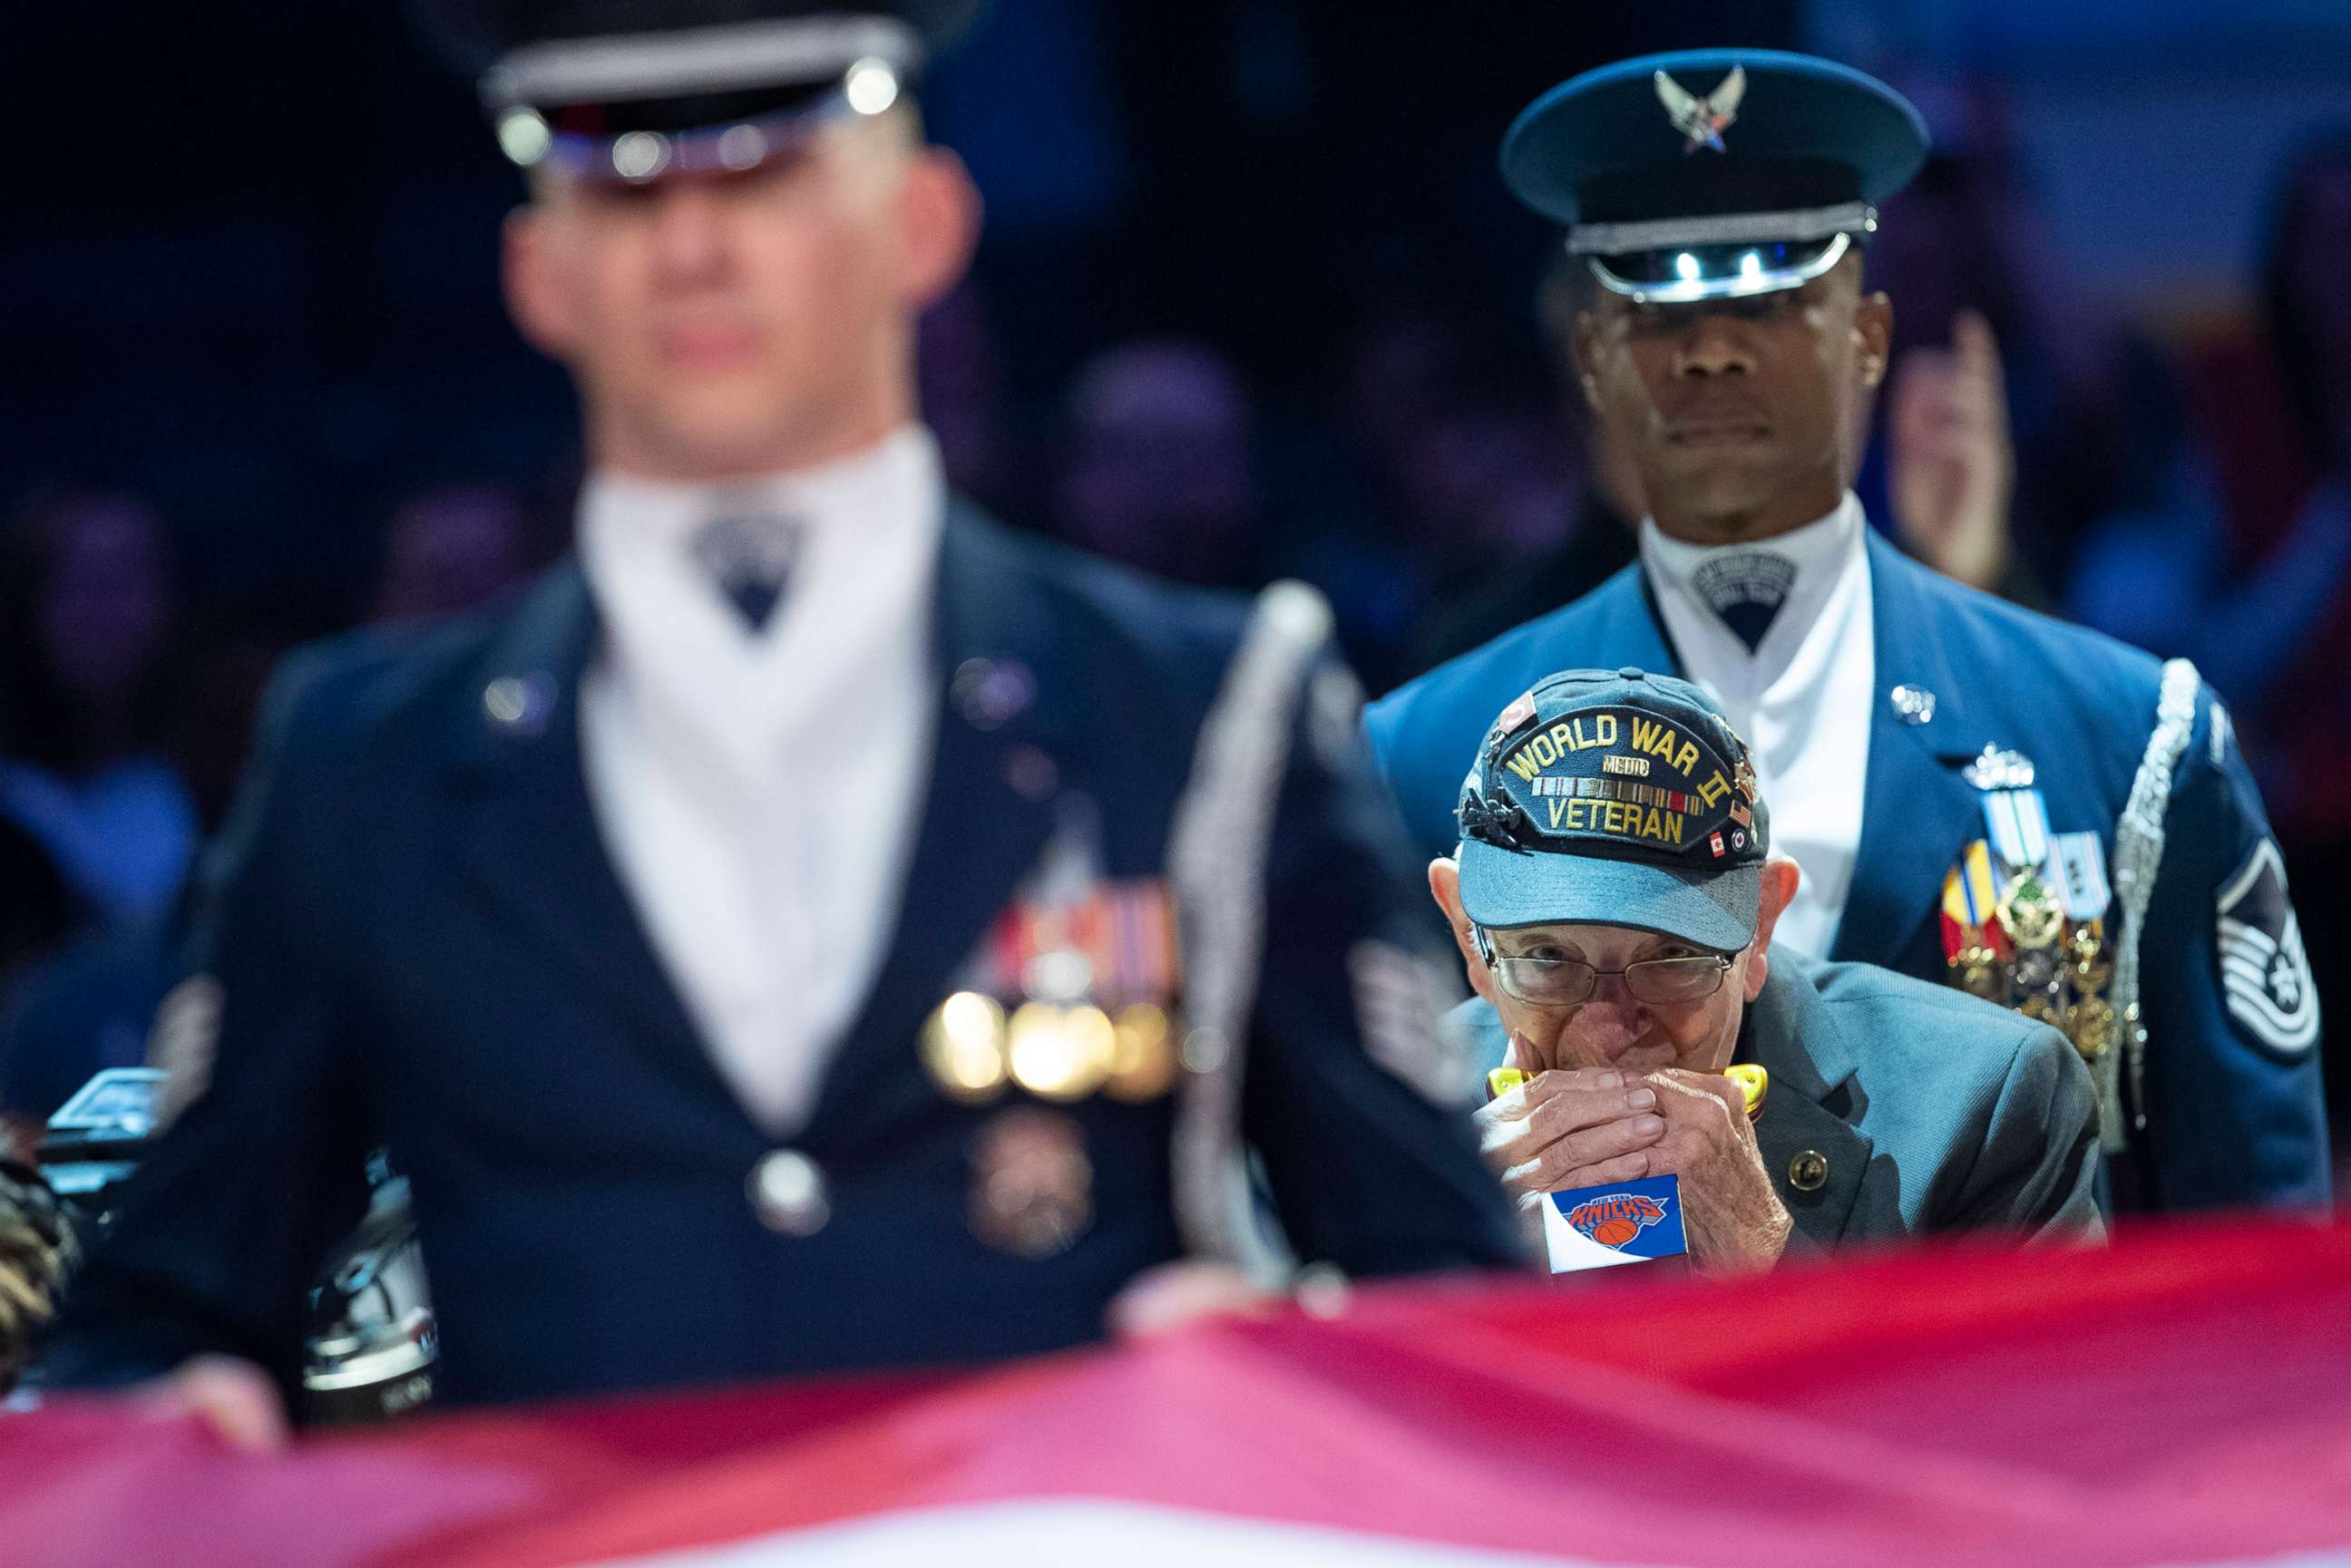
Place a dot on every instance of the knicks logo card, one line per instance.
(1623, 1222)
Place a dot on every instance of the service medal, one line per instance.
(2092, 1026)
(1978, 974)
(2092, 968)
(1032, 1182)
(2023, 911)
(1059, 1053)
(963, 1047)
(1143, 1055)
(2030, 915)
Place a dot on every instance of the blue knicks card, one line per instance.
(1623, 1222)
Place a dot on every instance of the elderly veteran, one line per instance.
(1615, 895)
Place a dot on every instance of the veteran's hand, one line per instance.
(1569, 1127)
(1737, 1223)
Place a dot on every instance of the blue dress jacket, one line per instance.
(422, 944)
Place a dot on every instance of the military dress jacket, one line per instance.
(419, 943)
(2230, 1111)
(1899, 1109)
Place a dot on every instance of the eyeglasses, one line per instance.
(1565, 982)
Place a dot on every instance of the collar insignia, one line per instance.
(1999, 768)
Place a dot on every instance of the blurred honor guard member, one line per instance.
(1615, 898)
(816, 928)
(1976, 794)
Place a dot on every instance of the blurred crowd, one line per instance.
(308, 415)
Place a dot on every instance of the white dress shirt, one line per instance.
(1800, 698)
(759, 790)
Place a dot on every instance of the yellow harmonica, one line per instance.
(1753, 1081)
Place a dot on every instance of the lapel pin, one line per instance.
(519, 705)
(1914, 704)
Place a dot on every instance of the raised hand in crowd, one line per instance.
(1951, 464)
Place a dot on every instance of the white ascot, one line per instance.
(759, 790)
(1801, 697)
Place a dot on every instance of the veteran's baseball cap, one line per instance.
(1614, 797)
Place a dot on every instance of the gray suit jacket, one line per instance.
(1897, 1108)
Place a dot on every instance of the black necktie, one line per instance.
(1745, 590)
(749, 556)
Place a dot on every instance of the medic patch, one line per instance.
(2264, 973)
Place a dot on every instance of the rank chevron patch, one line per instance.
(2264, 972)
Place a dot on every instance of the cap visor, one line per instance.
(1718, 272)
(1504, 888)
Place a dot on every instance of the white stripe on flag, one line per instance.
(1086, 1532)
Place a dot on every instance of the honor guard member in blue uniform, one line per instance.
(813, 928)
(1615, 898)
(1976, 794)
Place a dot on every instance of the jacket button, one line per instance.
(1809, 1171)
(788, 1194)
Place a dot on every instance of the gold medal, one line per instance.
(1032, 1183)
(1143, 1055)
(2092, 968)
(2029, 915)
(2092, 1026)
(1059, 1053)
(1978, 974)
(963, 1046)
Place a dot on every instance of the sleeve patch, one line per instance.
(182, 1044)
(2264, 972)
(1400, 1004)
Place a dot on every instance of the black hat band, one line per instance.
(1722, 228)
(619, 68)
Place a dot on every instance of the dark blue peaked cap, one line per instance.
(1711, 173)
(634, 90)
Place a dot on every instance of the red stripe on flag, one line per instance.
(2176, 1400)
